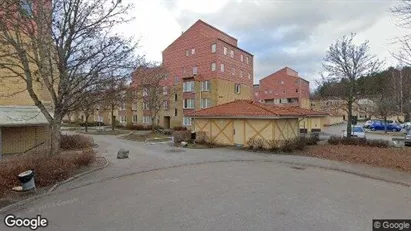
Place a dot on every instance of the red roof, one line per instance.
(249, 108)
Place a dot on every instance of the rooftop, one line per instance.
(249, 108)
(21, 116)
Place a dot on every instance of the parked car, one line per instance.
(368, 123)
(378, 125)
(406, 124)
(356, 131)
(407, 139)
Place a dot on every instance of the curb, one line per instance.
(33, 198)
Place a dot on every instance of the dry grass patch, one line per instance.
(48, 169)
(144, 137)
(76, 142)
(394, 158)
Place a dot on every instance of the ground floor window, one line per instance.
(123, 119)
(134, 118)
(187, 121)
(146, 120)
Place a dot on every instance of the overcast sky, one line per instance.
(293, 33)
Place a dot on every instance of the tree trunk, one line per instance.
(55, 137)
(349, 122)
(86, 124)
(152, 124)
(385, 124)
(113, 122)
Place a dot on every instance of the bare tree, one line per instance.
(68, 47)
(347, 62)
(153, 89)
(116, 94)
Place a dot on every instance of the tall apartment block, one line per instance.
(210, 68)
(283, 87)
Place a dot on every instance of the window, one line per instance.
(233, 71)
(246, 59)
(205, 86)
(232, 53)
(213, 48)
(187, 52)
(145, 91)
(123, 119)
(205, 103)
(165, 105)
(26, 7)
(195, 70)
(237, 88)
(175, 112)
(281, 82)
(222, 67)
(134, 106)
(188, 103)
(271, 91)
(213, 67)
(242, 58)
(175, 97)
(188, 86)
(146, 120)
(296, 90)
(283, 91)
(186, 121)
(225, 50)
(193, 51)
(100, 118)
(165, 90)
(241, 74)
(249, 75)
(134, 119)
(183, 70)
(165, 76)
(266, 92)
(146, 106)
(176, 79)
(123, 106)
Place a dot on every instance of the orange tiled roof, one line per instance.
(249, 108)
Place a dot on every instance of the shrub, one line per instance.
(312, 140)
(334, 140)
(273, 145)
(74, 142)
(83, 158)
(180, 136)
(201, 138)
(290, 145)
(255, 143)
(48, 169)
(138, 127)
(179, 128)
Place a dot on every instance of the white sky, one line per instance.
(158, 23)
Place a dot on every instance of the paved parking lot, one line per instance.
(337, 130)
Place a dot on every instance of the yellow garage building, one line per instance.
(236, 122)
(22, 128)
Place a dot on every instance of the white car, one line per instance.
(356, 131)
(368, 123)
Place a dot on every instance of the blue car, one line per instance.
(378, 125)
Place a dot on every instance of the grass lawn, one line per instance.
(155, 137)
(394, 158)
(106, 132)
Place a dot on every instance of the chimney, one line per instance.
(182, 32)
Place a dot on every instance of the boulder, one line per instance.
(122, 154)
(184, 144)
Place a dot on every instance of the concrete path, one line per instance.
(165, 188)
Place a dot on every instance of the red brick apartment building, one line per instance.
(283, 87)
(209, 68)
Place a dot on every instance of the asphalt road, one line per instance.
(215, 190)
